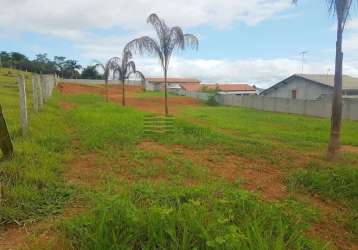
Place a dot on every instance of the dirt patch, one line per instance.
(146, 104)
(258, 177)
(327, 228)
(350, 149)
(38, 235)
(73, 89)
(84, 171)
(67, 106)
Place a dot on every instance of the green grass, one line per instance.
(293, 130)
(9, 97)
(150, 94)
(163, 199)
(339, 183)
(32, 184)
(149, 214)
(163, 217)
(100, 124)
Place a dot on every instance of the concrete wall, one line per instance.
(319, 108)
(306, 90)
(196, 95)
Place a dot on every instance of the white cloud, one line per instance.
(253, 71)
(352, 24)
(66, 18)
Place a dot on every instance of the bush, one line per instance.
(212, 100)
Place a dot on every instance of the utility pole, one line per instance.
(303, 54)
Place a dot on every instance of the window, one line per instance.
(294, 94)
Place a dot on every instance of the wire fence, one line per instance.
(22, 95)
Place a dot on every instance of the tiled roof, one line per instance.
(191, 87)
(219, 87)
(173, 80)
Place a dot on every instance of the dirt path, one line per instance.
(146, 104)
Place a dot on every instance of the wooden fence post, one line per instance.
(43, 87)
(5, 140)
(35, 98)
(23, 105)
(39, 92)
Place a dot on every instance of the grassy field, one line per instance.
(224, 178)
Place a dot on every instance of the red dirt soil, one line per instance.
(146, 104)
(257, 177)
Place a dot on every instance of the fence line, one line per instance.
(42, 88)
(318, 108)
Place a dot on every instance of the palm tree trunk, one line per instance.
(336, 120)
(166, 93)
(106, 87)
(123, 94)
(5, 141)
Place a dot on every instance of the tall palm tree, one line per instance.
(169, 39)
(126, 68)
(107, 68)
(341, 9)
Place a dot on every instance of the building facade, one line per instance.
(311, 87)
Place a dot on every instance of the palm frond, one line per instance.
(191, 41)
(137, 74)
(176, 38)
(145, 44)
(159, 26)
(130, 67)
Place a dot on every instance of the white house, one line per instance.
(311, 87)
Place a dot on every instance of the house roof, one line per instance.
(235, 87)
(173, 80)
(349, 82)
(192, 87)
(218, 86)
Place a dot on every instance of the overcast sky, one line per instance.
(254, 41)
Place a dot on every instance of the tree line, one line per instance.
(60, 65)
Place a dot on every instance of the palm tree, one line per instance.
(169, 39)
(107, 68)
(341, 9)
(72, 67)
(5, 141)
(125, 68)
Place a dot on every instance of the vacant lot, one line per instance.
(88, 177)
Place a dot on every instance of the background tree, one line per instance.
(341, 9)
(59, 62)
(125, 69)
(71, 69)
(109, 67)
(90, 72)
(169, 39)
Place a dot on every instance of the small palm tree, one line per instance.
(107, 68)
(125, 68)
(341, 9)
(169, 39)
